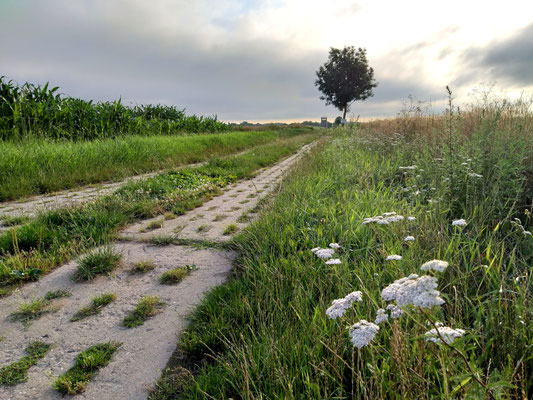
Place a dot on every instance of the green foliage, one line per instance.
(345, 78)
(266, 330)
(95, 306)
(100, 262)
(27, 312)
(87, 364)
(231, 229)
(17, 372)
(142, 267)
(56, 294)
(40, 111)
(147, 307)
(176, 275)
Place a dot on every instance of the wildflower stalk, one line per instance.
(461, 354)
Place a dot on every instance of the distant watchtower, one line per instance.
(324, 122)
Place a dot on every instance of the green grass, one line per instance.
(152, 226)
(54, 237)
(87, 364)
(231, 229)
(32, 310)
(15, 220)
(94, 307)
(203, 228)
(43, 166)
(176, 275)
(56, 294)
(162, 240)
(265, 333)
(17, 372)
(147, 307)
(100, 262)
(143, 267)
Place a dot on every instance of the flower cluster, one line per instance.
(339, 306)
(447, 334)
(362, 333)
(414, 290)
(327, 253)
(435, 265)
(385, 219)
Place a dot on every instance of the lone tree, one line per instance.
(345, 78)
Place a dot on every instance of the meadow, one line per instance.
(33, 166)
(378, 202)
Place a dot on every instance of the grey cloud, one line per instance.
(508, 60)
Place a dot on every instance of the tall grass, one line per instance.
(265, 333)
(41, 166)
(40, 111)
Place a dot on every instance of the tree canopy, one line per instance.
(345, 78)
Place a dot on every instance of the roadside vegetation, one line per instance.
(34, 166)
(94, 307)
(28, 251)
(323, 301)
(147, 307)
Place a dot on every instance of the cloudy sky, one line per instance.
(255, 60)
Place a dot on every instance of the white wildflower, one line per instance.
(435, 265)
(411, 218)
(314, 250)
(459, 222)
(362, 333)
(381, 316)
(383, 222)
(417, 192)
(339, 306)
(324, 253)
(448, 334)
(334, 245)
(393, 257)
(414, 290)
(409, 239)
(526, 233)
(465, 163)
(333, 261)
(395, 311)
(406, 189)
(388, 214)
(409, 168)
(474, 175)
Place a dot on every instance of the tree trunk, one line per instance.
(344, 114)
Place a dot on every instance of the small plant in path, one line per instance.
(27, 312)
(230, 229)
(161, 240)
(100, 262)
(203, 228)
(88, 362)
(143, 267)
(147, 307)
(153, 225)
(56, 294)
(17, 372)
(95, 306)
(176, 275)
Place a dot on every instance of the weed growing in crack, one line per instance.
(176, 275)
(17, 372)
(143, 267)
(231, 229)
(147, 307)
(87, 364)
(100, 262)
(94, 307)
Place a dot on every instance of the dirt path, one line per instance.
(145, 349)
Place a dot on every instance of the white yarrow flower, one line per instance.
(394, 257)
(414, 290)
(459, 222)
(362, 333)
(333, 261)
(314, 250)
(381, 316)
(339, 306)
(448, 334)
(409, 239)
(334, 246)
(395, 311)
(474, 175)
(435, 265)
(324, 253)
(411, 218)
